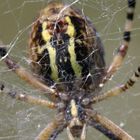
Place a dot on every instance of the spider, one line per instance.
(68, 65)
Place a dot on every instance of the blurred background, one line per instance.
(21, 121)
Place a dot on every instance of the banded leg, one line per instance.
(120, 89)
(23, 74)
(108, 128)
(26, 98)
(122, 50)
(53, 129)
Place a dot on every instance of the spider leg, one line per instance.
(122, 50)
(120, 89)
(83, 134)
(103, 130)
(70, 136)
(107, 127)
(26, 98)
(53, 128)
(22, 73)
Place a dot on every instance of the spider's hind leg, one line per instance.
(23, 73)
(122, 50)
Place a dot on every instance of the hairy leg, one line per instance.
(52, 129)
(107, 127)
(22, 96)
(119, 89)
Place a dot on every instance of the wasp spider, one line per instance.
(68, 58)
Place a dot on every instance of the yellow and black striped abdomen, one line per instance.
(65, 47)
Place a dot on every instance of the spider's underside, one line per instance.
(68, 58)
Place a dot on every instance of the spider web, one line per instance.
(21, 121)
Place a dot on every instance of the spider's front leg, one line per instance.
(53, 128)
(107, 127)
(22, 73)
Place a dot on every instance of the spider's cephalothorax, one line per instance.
(64, 47)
